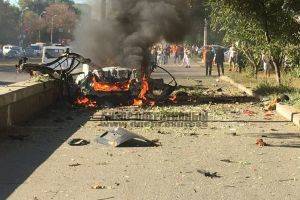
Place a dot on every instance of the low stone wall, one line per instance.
(289, 112)
(20, 101)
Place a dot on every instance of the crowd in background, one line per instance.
(210, 55)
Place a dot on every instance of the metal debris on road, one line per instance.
(98, 186)
(261, 143)
(118, 136)
(209, 174)
(226, 160)
(74, 165)
(78, 142)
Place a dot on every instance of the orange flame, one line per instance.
(84, 101)
(173, 99)
(142, 96)
(109, 87)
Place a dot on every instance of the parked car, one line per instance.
(37, 48)
(11, 51)
(29, 52)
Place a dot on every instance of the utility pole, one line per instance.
(205, 32)
(21, 39)
(52, 27)
(41, 15)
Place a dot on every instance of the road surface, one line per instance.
(8, 74)
(44, 166)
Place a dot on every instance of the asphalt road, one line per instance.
(43, 165)
(8, 74)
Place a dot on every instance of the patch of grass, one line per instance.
(295, 99)
(266, 88)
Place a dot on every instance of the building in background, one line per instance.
(102, 9)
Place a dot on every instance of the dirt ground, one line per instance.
(45, 166)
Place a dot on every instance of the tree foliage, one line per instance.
(9, 16)
(261, 25)
(38, 19)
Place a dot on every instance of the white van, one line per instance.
(37, 48)
(51, 53)
(11, 50)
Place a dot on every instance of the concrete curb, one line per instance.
(290, 113)
(240, 87)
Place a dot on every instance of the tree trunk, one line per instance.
(277, 71)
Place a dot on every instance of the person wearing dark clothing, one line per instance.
(219, 59)
(181, 53)
(240, 61)
(209, 57)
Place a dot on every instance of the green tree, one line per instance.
(258, 25)
(64, 19)
(9, 23)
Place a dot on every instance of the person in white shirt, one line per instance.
(266, 64)
(232, 58)
(186, 59)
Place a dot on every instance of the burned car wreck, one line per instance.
(86, 84)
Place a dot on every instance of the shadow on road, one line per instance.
(23, 149)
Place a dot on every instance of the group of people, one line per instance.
(211, 55)
(161, 54)
(216, 55)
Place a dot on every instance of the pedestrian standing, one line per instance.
(266, 64)
(232, 58)
(176, 55)
(219, 60)
(186, 59)
(209, 57)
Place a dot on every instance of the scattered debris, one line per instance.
(248, 112)
(156, 142)
(163, 132)
(261, 143)
(245, 163)
(74, 165)
(106, 198)
(233, 132)
(78, 142)
(284, 97)
(272, 104)
(118, 136)
(194, 134)
(272, 129)
(98, 186)
(226, 160)
(219, 90)
(209, 174)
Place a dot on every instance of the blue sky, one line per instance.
(16, 1)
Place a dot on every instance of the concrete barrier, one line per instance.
(240, 87)
(20, 101)
(290, 113)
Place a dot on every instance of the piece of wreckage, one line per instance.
(103, 87)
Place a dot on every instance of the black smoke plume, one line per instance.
(129, 29)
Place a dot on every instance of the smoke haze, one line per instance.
(131, 28)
